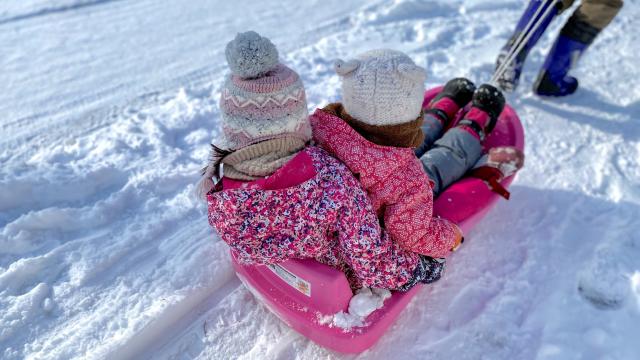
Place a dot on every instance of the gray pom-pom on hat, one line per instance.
(250, 55)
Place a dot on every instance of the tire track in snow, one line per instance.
(180, 320)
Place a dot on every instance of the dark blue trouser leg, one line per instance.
(509, 80)
(573, 40)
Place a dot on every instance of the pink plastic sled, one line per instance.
(306, 294)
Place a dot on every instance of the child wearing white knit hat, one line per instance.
(379, 125)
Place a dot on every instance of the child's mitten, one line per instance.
(499, 163)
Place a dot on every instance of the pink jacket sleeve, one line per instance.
(408, 216)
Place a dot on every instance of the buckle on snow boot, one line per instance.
(473, 126)
(439, 114)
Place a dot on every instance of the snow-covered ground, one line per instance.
(107, 109)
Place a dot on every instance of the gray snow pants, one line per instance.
(449, 156)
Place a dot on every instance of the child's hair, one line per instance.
(211, 172)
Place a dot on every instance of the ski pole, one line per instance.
(529, 28)
(522, 40)
(523, 33)
(512, 54)
(519, 45)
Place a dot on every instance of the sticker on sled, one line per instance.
(292, 279)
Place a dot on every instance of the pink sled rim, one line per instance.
(306, 294)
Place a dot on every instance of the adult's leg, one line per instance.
(578, 33)
(598, 13)
(510, 78)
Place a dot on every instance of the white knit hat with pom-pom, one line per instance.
(382, 87)
(261, 99)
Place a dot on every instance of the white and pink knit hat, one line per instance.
(261, 99)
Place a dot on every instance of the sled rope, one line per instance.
(522, 39)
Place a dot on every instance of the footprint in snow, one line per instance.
(470, 303)
(604, 282)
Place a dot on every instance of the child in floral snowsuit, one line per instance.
(280, 198)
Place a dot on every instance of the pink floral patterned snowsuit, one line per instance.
(398, 187)
(312, 207)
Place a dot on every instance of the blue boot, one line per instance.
(573, 40)
(511, 76)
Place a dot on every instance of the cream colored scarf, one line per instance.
(262, 159)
